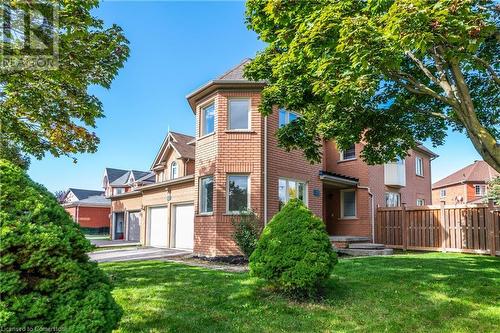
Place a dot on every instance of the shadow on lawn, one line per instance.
(400, 293)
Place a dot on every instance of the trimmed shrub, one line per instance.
(46, 278)
(294, 253)
(247, 228)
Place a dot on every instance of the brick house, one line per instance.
(467, 185)
(89, 208)
(234, 163)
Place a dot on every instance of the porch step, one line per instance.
(365, 252)
(366, 246)
(349, 239)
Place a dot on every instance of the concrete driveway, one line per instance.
(113, 243)
(146, 253)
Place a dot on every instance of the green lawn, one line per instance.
(429, 292)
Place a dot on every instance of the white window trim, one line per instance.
(441, 193)
(342, 159)
(421, 200)
(172, 169)
(287, 116)
(397, 193)
(418, 158)
(480, 186)
(228, 126)
(342, 205)
(228, 212)
(202, 107)
(200, 193)
(306, 192)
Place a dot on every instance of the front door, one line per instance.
(119, 225)
(134, 226)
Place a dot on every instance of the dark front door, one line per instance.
(119, 225)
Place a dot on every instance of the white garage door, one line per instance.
(184, 226)
(158, 231)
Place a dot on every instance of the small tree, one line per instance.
(247, 229)
(46, 278)
(494, 190)
(294, 253)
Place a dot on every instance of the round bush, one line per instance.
(294, 253)
(46, 278)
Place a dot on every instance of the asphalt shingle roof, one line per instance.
(183, 146)
(82, 194)
(479, 171)
(114, 174)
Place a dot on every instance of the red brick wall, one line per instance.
(417, 187)
(467, 191)
(91, 217)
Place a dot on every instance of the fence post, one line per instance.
(404, 227)
(442, 226)
(491, 225)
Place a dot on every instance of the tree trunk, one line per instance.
(484, 142)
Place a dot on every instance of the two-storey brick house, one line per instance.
(239, 166)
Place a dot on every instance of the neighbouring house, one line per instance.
(467, 185)
(234, 163)
(117, 181)
(89, 208)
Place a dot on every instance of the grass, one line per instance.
(431, 292)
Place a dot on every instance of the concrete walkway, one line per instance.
(146, 253)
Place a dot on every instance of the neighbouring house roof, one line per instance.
(87, 198)
(233, 78)
(82, 194)
(123, 179)
(114, 174)
(183, 144)
(479, 171)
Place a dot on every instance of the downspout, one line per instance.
(76, 214)
(265, 170)
(372, 209)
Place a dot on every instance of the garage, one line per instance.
(158, 226)
(134, 226)
(184, 226)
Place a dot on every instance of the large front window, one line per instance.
(290, 189)
(207, 119)
(348, 204)
(237, 193)
(392, 199)
(239, 114)
(206, 194)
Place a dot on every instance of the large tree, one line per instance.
(389, 73)
(50, 109)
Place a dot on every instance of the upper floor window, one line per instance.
(238, 194)
(480, 190)
(442, 193)
(118, 190)
(419, 166)
(206, 194)
(286, 117)
(207, 123)
(174, 170)
(348, 154)
(392, 199)
(239, 114)
(291, 189)
(420, 202)
(348, 204)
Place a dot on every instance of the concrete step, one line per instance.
(349, 239)
(366, 246)
(365, 252)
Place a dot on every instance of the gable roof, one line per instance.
(479, 171)
(114, 174)
(183, 144)
(233, 78)
(82, 194)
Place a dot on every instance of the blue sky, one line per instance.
(175, 48)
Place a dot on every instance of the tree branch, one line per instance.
(488, 68)
(421, 65)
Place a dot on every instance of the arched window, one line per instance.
(173, 170)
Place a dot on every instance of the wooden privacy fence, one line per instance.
(472, 228)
